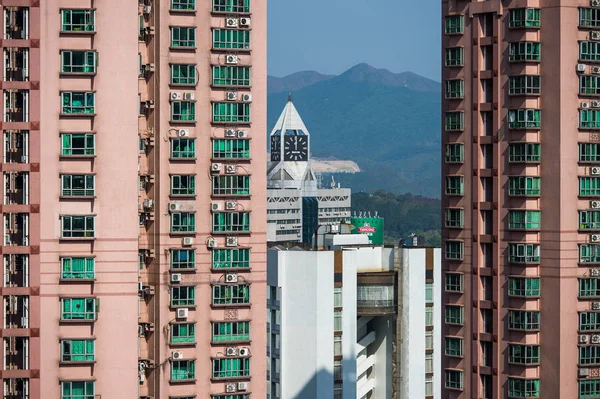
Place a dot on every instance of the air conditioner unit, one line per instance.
(282, 226)
(596, 69)
(595, 170)
(581, 67)
(140, 286)
(230, 133)
(244, 352)
(215, 167)
(149, 67)
(232, 59)
(215, 206)
(231, 205)
(246, 97)
(187, 241)
(148, 204)
(176, 355)
(176, 277)
(241, 134)
(595, 104)
(231, 241)
(211, 243)
(583, 339)
(175, 96)
(595, 305)
(174, 206)
(182, 313)
(141, 331)
(231, 278)
(595, 204)
(584, 372)
(245, 22)
(141, 377)
(231, 351)
(231, 96)
(242, 386)
(595, 339)
(231, 22)
(183, 132)
(188, 96)
(595, 3)
(585, 105)
(595, 238)
(230, 387)
(595, 272)
(147, 9)
(595, 35)
(230, 169)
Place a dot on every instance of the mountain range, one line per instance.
(388, 123)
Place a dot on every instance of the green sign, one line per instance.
(373, 227)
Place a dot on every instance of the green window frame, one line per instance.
(183, 295)
(231, 112)
(231, 258)
(523, 354)
(589, 51)
(225, 222)
(524, 152)
(77, 102)
(523, 186)
(183, 37)
(183, 259)
(230, 294)
(454, 379)
(589, 389)
(77, 185)
(589, 152)
(231, 185)
(454, 249)
(455, 153)
(183, 222)
(524, 51)
(78, 20)
(77, 350)
(183, 185)
(454, 217)
(589, 17)
(73, 144)
(454, 24)
(524, 220)
(454, 346)
(230, 331)
(455, 185)
(231, 6)
(454, 56)
(230, 367)
(589, 355)
(524, 118)
(523, 320)
(589, 321)
(78, 309)
(78, 61)
(524, 18)
(183, 333)
(455, 88)
(231, 149)
(183, 111)
(589, 118)
(589, 186)
(454, 315)
(183, 148)
(454, 282)
(183, 74)
(77, 389)
(183, 5)
(523, 387)
(454, 121)
(523, 253)
(183, 370)
(77, 268)
(589, 253)
(589, 85)
(589, 220)
(524, 85)
(231, 76)
(77, 226)
(524, 286)
(231, 39)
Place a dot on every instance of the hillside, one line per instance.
(389, 124)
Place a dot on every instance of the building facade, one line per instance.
(520, 108)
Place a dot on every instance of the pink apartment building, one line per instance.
(134, 234)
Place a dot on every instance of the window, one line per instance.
(589, 355)
(183, 259)
(239, 6)
(524, 18)
(77, 144)
(524, 51)
(77, 102)
(455, 121)
(79, 308)
(231, 39)
(428, 292)
(183, 5)
(454, 282)
(454, 217)
(589, 152)
(77, 389)
(454, 346)
(224, 222)
(182, 36)
(183, 333)
(231, 149)
(523, 286)
(183, 295)
(428, 316)
(231, 112)
(77, 185)
(77, 226)
(183, 222)
(337, 345)
(228, 396)
(524, 220)
(523, 354)
(183, 74)
(589, 253)
(77, 268)
(589, 321)
(589, 287)
(524, 85)
(183, 148)
(454, 24)
(589, 388)
(238, 258)
(454, 249)
(231, 185)
(80, 350)
(230, 368)
(521, 186)
(455, 88)
(337, 320)
(454, 379)
(589, 186)
(524, 118)
(589, 118)
(455, 185)
(231, 331)
(182, 370)
(589, 17)
(524, 152)
(428, 385)
(183, 185)
(455, 153)
(454, 314)
(523, 388)
(589, 220)
(524, 253)
(183, 111)
(589, 51)
(337, 370)
(454, 56)
(78, 61)
(230, 76)
(589, 85)
(78, 20)
(231, 294)
(523, 320)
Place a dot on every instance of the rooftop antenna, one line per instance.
(290, 97)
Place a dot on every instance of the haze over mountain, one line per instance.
(388, 123)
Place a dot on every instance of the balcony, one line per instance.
(16, 353)
(16, 64)
(16, 229)
(16, 270)
(16, 146)
(16, 311)
(16, 23)
(16, 188)
(376, 294)
(16, 106)
(16, 388)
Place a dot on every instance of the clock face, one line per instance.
(295, 148)
(275, 148)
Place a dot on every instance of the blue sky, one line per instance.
(330, 36)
